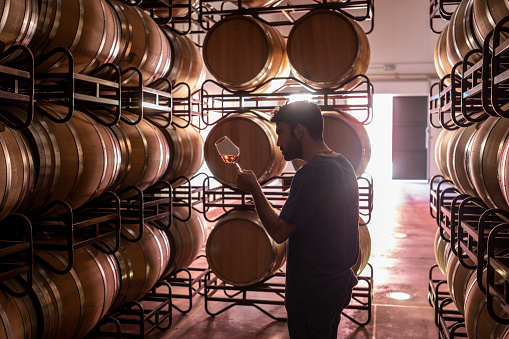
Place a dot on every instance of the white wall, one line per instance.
(402, 54)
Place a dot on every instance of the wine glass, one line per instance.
(228, 151)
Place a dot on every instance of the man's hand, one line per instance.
(247, 181)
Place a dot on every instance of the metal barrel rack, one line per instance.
(228, 199)
(138, 319)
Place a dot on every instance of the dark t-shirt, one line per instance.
(323, 204)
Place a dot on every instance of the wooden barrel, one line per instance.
(18, 316)
(71, 304)
(486, 15)
(242, 52)
(439, 246)
(364, 248)
(478, 322)
(186, 238)
(485, 153)
(503, 171)
(345, 135)
(441, 151)
(442, 64)
(142, 44)
(86, 28)
(240, 252)
(457, 280)
(186, 149)
(16, 171)
(18, 21)
(256, 137)
(460, 34)
(186, 66)
(326, 48)
(74, 161)
(144, 152)
(457, 158)
(140, 263)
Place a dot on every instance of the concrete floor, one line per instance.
(400, 264)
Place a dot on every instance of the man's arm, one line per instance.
(278, 229)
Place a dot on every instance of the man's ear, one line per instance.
(299, 131)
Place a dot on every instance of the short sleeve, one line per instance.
(306, 195)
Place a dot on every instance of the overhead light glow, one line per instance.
(300, 97)
(399, 235)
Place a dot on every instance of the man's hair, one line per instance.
(306, 113)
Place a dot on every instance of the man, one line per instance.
(319, 219)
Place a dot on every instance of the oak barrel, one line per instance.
(345, 135)
(503, 171)
(485, 152)
(486, 15)
(256, 137)
(442, 64)
(460, 34)
(364, 248)
(71, 304)
(240, 251)
(242, 52)
(186, 66)
(74, 161)
(16, 171)
(457, 280)
(441, 151)
(186, 148)
(186, 236)
(144, 152)
(18, 316)
(457, 158)
(18, 21)
(439, 246)
(478, 322)
(142, 44)
(140, 263)
(326, 49)
(87, 28)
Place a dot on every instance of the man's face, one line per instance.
(287, 142)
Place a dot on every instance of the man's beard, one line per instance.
(293, 150)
